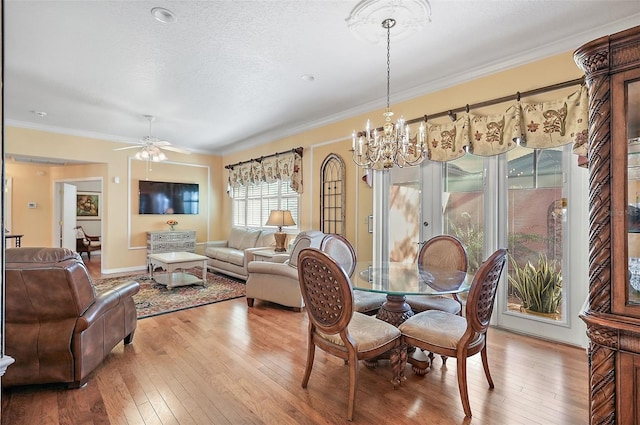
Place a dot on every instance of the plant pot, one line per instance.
(553, 316)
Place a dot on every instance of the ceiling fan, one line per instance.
(151, 147)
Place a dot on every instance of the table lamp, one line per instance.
(280, 218)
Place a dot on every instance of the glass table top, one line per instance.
(408, 279)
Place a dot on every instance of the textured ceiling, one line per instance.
(227, 75)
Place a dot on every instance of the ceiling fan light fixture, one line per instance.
(151, 148)
(158, 156)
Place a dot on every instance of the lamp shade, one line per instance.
(280, 218)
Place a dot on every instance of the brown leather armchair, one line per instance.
(57, 328)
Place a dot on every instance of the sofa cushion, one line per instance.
(266, 238)
(243, 238)
(228, 255)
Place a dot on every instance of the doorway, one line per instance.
(530, 201)
(66, 217)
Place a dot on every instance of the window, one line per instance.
(536, 212)
(464, 205)
(333, 194)
(252, 204)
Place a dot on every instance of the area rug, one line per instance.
(154, 298)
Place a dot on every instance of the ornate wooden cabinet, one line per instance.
(612, 68)
(171, 241)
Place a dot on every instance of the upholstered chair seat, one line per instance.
(420, 303)
(438, 328)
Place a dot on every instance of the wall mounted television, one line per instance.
(168, 198)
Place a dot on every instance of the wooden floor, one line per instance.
(229, 364)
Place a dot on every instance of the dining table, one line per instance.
(397, 280)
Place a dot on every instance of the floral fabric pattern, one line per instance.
(558, 122)
(495, 134)
(447, 142)
(285, 167)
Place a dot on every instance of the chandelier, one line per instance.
(394, 145)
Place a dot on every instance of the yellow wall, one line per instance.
(167, 171)
(336, 137)
(117, 235)
(31, 184)
(317, 143)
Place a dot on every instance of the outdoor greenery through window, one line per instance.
(536, 212)
(463, 216)
(253, 203)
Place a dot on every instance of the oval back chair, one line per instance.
(336, 329)
(441, 252)
(340, 249)
(451, 335)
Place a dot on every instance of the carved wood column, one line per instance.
(608, 333)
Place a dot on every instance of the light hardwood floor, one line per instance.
(229, 364)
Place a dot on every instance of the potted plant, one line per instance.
(538, 287)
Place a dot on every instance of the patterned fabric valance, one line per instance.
(284, 166)
(558, 122)
(536, 125)
(448, 141)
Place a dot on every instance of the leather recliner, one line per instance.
(57, 328)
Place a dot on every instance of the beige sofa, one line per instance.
(277, 282)
(232, 256)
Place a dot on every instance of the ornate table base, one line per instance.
(395, 311)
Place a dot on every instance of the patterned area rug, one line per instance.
(154, 298)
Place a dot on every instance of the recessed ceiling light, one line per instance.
(39, 113)
(308, 77)
(163, 15)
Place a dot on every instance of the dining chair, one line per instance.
(451, 335)
(441, 252)
(336, 329)
(86, 243)
(340, 249)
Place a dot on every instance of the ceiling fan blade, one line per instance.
(175, 149)
(128, 147)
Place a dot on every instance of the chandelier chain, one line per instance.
(388, 65)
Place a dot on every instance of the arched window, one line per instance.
(332, 196)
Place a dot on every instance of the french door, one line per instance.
(534, 202)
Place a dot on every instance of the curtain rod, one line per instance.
(451, 113)
(297, 150)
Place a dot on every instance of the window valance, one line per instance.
(285, 166)
(534, 125)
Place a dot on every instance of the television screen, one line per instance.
(168, 198)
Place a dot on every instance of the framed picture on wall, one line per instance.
(88, 206)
